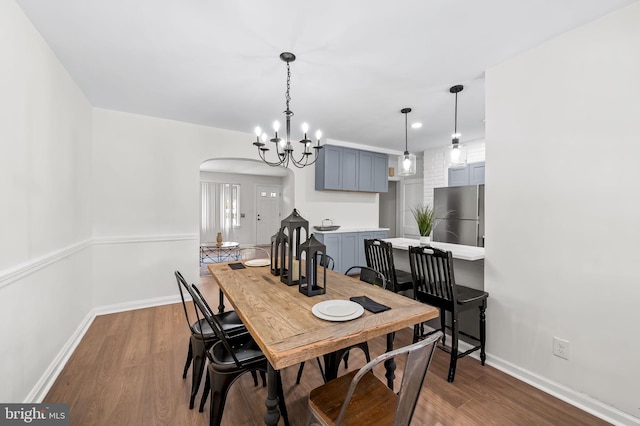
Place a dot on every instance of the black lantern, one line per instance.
(278, 240)
(314, 281)
(292, 227)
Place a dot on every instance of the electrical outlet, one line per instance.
(561, 347)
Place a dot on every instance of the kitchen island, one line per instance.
(468, 268)
(468, 261)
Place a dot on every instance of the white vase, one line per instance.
(425, 240)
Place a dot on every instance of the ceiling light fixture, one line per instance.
(407, 161)
(458, 152)
(284, 149)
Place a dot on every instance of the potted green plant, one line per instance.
(424, 218)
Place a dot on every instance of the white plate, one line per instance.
(258, 262)
(337, 310)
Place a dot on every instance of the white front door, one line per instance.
(268, 199)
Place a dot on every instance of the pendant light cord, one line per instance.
(406, 145)
(455, 122)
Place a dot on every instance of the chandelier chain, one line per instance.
(287, 96)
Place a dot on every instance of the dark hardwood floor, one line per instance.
(128, 371)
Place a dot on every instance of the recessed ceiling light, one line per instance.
(416, 125)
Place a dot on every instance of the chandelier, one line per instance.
(284, 148)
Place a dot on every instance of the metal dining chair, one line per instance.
(359, 397)
(229, 358)
(202, 338)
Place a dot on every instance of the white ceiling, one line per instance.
(216, 62)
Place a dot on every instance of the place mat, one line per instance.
(236, 266)
(369, 305)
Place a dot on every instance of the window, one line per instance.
(219, 210)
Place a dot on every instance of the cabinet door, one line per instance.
(365, 171)
(459, 176)
(380, 173)
(362, 261)
(476, 173)
(328, 168)
(349, 169)
(332, 242)
(348, 251)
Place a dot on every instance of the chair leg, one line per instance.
(483, 332)
(454, 347)
(255, 377)
(443, 326)
(220, 384)
(263, 375)
(189, 359)
(299, 376)
(205, 393)
(199, 360)
(346, 361)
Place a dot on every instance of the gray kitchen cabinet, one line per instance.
(365, 171)
(380, 172)
(345, 169)
(458, 176)
(470, 174)
(347, 248)
(349, 168)
(328, 169)
(332, 242)
(476, 173)
(348, 251)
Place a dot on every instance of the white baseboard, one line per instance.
(52, 372)
(564, 393)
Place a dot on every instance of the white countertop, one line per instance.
(342, 230)
(458, 251)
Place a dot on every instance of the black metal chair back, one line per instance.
(207, 313)
(326, 261)
(369, 275)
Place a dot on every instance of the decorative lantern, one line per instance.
(292, 227)
(278, 240)
(314, 281)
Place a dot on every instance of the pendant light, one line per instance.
(406, 161)
(457, 152)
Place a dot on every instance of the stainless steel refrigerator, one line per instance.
(459, 215)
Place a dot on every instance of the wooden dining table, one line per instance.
(281, 321)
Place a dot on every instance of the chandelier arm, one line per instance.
(262, 154)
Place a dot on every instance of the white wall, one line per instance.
(45, 216)
(562, 200)
(147, 201)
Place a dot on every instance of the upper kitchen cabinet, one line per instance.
(471, 174)
(347, 169)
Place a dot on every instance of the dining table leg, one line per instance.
(272, 415)
(390, 364)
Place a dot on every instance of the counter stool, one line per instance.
(435, 284)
